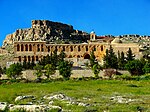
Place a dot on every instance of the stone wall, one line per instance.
(34, 51)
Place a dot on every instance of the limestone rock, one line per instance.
(23, 97)
(34, 108)
(3, 106)
(44, 30)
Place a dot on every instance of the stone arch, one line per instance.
(22, 47)
(37, 58)
(102, 48)
(26, 47)
(63, 48)
(33, 59)
(71, 48)
(38, 47)
(29, 59)
(42, 49)
(48, 48)
(78, 56)
(30, 47)
(86, 56)
(79, 49)
(25, 59)
(86, 48)
(18, 47)
(19, 58)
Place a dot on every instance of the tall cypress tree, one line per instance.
(121, 61)
(130, 56)
(110, 59)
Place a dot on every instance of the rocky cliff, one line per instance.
(51, 32)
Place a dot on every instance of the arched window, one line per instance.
(102, 48)
(26, 47)
(33, 59)
(48, 48)
(42, 49)
(71, 48)
(94, 48)
(25, 59)
(63, 48)
(19, 58)
(86, 48)
(37, 59)
(86, 56)
(29, 59)
(30, 47)
(38, 47)
(79, 48)
(22, 47)
(18, 47)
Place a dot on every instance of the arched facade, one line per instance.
(35, 51)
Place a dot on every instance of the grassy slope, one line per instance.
(99, 91)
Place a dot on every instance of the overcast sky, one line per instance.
(115, 17)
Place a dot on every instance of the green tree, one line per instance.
(65, 68)
(134, 67)
(121, 61)
(130, 55)
(110, 59)
(1, 70)
(146, 68)
(61, 56)
(92, 59)
(50, 70)
(96, 69)
(38, 69)
(14, 71)
(54, 58)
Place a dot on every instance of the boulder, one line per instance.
(3, 106)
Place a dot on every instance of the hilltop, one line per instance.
(45, 30)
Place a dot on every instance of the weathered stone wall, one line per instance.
(34, 51)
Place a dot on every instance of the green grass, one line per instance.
(98, 91)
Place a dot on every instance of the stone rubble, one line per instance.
(41, 105)
(3, 106)
(23, 97)
(121, 99)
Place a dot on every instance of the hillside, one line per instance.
(51, 32)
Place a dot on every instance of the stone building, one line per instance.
(32, 44)
(78, 53)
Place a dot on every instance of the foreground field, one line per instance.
(101, 95)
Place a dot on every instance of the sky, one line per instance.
(105, 17)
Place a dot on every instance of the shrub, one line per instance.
(14, 71)
(146, 68)
(109, 72)
(134, 67)
(65, 69)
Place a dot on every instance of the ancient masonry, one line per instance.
(31, 46)
(34, 51)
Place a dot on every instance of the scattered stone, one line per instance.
(58, 97)
(35, 108)
(3, 106)
(23, 97)
(120, 99)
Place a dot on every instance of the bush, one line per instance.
(65, 69)
(109, 72)
(146, 68)
(14, 71)
(134, 67)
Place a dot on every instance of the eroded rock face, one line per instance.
(44, 30)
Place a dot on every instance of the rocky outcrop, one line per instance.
(44, 30)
